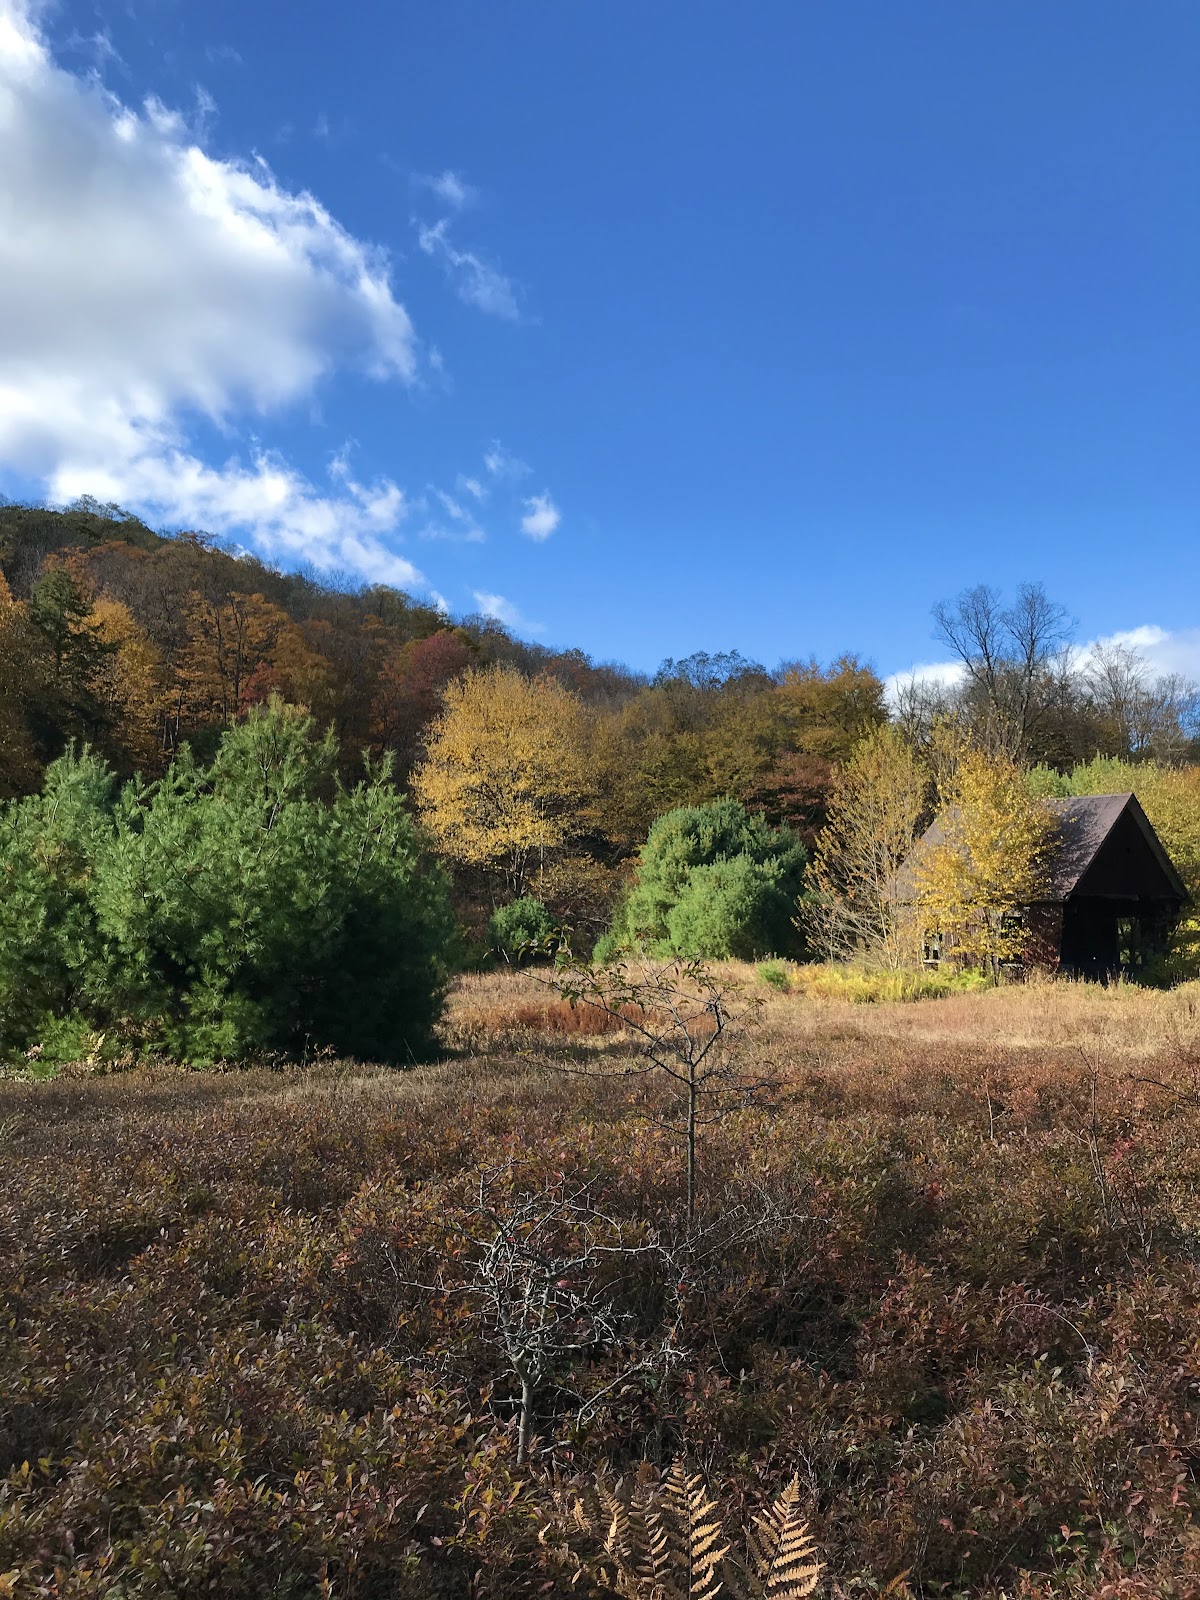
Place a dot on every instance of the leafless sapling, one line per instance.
(687, 1024)
(536, 1272)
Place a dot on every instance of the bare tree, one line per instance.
(540, 1274)
(1144, 715)
(532, 1270)
(1010, 654)
(686, 1024)
(919, 703)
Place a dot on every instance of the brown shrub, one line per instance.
(967, 1317)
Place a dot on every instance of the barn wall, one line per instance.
(1045, 923)
(1125, 867)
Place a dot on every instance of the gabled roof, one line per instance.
(1082, 825)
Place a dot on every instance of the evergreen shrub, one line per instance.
(713, 881)
(257, 905)
(520, 929)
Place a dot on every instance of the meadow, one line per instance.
(945, 1266)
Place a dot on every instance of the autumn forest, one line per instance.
(482, 1123)
(136, 644)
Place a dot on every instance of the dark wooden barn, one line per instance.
(1113, 895)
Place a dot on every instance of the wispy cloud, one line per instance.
(98, 47)
(448, 519)
(476, 282)
(501, 463)
(206, 110)
(541, 517)
(502, 610)
(451, 189)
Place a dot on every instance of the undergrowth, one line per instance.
(947, 1280)
(867, 986)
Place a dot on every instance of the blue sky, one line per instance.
(651, 328)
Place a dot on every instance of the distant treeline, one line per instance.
(136, 643)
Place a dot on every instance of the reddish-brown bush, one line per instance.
(967, 1317)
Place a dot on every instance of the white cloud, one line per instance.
(144, 286)
(541, 517)
(1163, 651)
(500, 609)
(501, 463)
(936, 674)
(476, 281)
(288, 515)
(472, 486)
(451, 189)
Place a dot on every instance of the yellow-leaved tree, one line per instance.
(874, 810)
(990, 861)
(131, 684)
(505, 783)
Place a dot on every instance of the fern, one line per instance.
(781, 1556)
(663, 1539)
(684, 1527)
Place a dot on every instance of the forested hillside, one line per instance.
(137, 644)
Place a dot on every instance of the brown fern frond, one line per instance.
(683, 1552)
(671, 1492)
(619, 1538)
(663, 1539)
(782, 1556)
(580, 1516)
(661, 1568)
(706, 1553)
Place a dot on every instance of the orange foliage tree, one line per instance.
(130, 684)
(409, 689)
(227, 639)
(20, 768)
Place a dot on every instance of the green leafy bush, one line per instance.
(519, 929)
(713, 881)
(253, 906)
(775, 975)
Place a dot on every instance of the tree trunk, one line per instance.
(526, 1423)
(693, 1099)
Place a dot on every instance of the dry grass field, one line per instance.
(946, 1269)
(1030, 1016)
